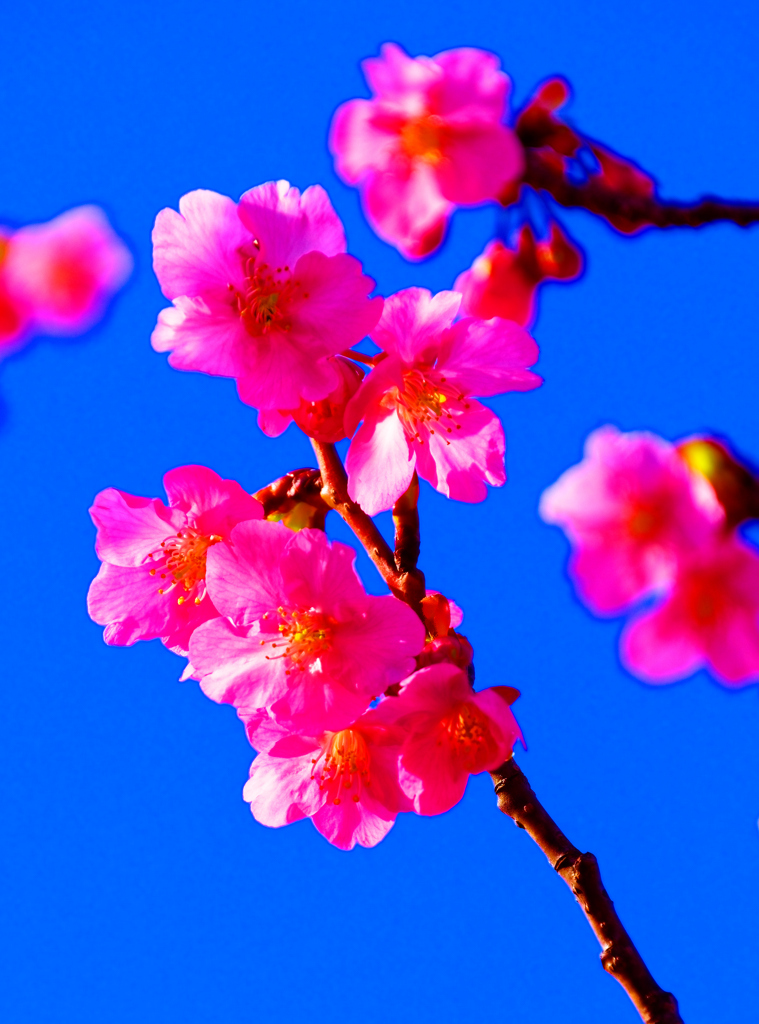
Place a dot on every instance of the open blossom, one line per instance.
(56, 278)
(152, 582)
(709, 619)
(263, 291)
(431, 138)
(504, 282)
(631, 509)
(301, 636)
(345, 781)
(452, 732)
(416, 405)
(323, 420)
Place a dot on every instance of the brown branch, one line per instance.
(629, 212)
(408, 586)
(580, 871)
(406, 522)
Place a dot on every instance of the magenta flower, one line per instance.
(152, 582)
(710, 619)
(430, 139)
(263, 292)
(416, 407)
(345, 781)
(452, 733)
(301, 635)
(57, 278)
(631, 509)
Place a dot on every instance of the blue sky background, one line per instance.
(134, 883)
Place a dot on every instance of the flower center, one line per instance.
(643, 522)
(468, 733)
(426, 404)
(305, 635)
(345, 764)
(183, 561)
(423, 138)
(268, 292)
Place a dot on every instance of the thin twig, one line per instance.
(406, 522)
(627, 211)
(580, 871)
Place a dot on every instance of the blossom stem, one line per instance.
(406, 522)
(406, 585)
(636, 211)
(580, 871)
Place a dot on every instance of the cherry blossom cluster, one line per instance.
(360, 706)
(57, 278)
(653, 527)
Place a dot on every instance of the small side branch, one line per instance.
(627, 211)
(408, 586)
(580, 871)
(406, 522)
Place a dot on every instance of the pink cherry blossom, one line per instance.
(301, 635)
(453, 732)
(64, 272)
(710, 619)
(152, 580)
(630, 509)
(430, 139)
(416, 405)
(345, 781)
(323, 420)
(262, 291)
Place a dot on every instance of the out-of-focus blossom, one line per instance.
(709, 619)
(452, 732)
(416, 405)
(345, 781)
(301, 635)
(631, 509)
(152, 582)
(263, 291)
(430, 139)
(504, 282)
(57, 278)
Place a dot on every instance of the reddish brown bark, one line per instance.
(580, 871)
(408, 585)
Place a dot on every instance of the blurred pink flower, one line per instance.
(57, 278)
(710, 619)
(262, 291)
(416, 407)
(430, 139)
(345, 781)
(452, 732)
(152, 580)
(300, 635)
(631, 509)
(504, 282)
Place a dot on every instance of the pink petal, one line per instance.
(277, 369)
(280, 790)
(244, 578)
(360, 142)
(273, 422)
(210, 338)
(287, 225)
(233, 667)
(405, 206)
(655, 647)
(489, 357)
(400, 79)
(472, 86)
(478, 164)
(130, 528)
(380, 463)
(196, 252)
(459, 463)
(126, 601)
(215, 505)
(413, 321)
(320, 574)
(349, 823)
